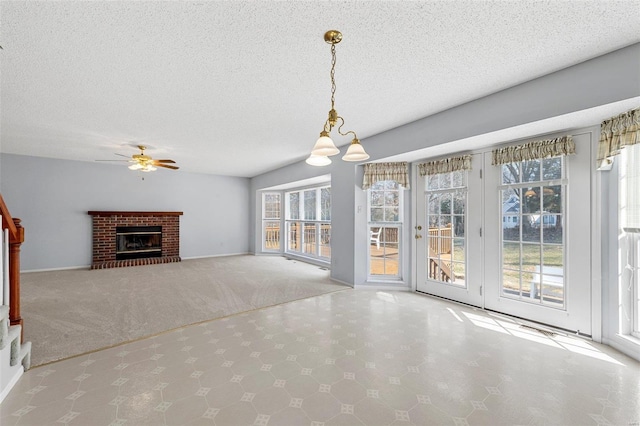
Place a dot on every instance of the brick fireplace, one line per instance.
(111, 227)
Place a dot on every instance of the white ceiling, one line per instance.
(240, 88)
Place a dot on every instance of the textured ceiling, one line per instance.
(240, 88)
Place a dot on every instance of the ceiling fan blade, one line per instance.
(122, 155)
(164, 161)
(167, 166)
(124, 161)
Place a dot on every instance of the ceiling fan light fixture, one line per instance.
(318, 160)
(136, 166)
(324, 146)
(355, 152)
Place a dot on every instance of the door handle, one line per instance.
(418, 236)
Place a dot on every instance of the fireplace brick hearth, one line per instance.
(105, 224)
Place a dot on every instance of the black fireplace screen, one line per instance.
(135, 242)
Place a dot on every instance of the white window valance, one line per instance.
(534, 150)
(446, 165)
(376, 172)
(618, 132)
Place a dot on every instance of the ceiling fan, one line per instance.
(145, 163)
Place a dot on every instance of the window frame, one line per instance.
(320, 224)
(265, 220)
(386, 224)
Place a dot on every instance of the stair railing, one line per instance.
(13, 234)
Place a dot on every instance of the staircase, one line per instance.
(15, 356)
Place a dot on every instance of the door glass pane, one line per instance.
(531, 227)
(457, 179)
(552, 231)
(510, 173)
(511, 255)
(458, 270)
(552, 168)
(445, 180)
(458, 250)
(511, 282)
(530, 171)
(552, 199)
(433, 209)
(458, 225)
(459, 202)
(531, 200)
(433, 182)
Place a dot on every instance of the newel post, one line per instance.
(14, 274)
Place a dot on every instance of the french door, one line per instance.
(516, 241)
(538, 229)
(447, 233)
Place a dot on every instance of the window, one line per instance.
(271, 221)
(308, 222)
(629, 189)
(533, 212)
(385, 229)
(446, 213)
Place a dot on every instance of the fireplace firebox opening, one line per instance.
(136, 242)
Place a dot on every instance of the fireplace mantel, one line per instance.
(128, 213)
(105, 224)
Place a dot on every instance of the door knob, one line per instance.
(418, 236)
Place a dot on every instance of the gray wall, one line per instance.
(600, 81)
(52, 198)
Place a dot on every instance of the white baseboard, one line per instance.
(215, 255)
(70, 268)
(66, 268)
(628, 346)
(4, 392)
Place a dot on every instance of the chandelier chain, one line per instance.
(333, 78)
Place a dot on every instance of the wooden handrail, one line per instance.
(7, 220)
(16, 238)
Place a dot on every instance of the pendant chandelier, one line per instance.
(324, 147)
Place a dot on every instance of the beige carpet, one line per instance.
(72, 312)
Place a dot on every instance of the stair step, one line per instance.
(14, 338)
(4, 326)
(25, 355)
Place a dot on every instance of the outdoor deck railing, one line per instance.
(440, 244)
